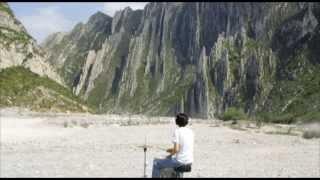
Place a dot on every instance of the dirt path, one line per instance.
(33, 147)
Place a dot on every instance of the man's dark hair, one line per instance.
(182, 119)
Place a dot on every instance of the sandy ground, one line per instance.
(35, 146)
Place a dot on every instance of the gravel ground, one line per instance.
(44, 147)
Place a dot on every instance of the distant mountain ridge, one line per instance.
(201, 58)
(27, 79)
(17, 47)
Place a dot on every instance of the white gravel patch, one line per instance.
(39, 147)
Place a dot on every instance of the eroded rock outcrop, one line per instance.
(68, 52)
(201, 58)
(18, 48)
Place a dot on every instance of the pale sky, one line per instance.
(44, 18)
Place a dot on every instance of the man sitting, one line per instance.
(182, 147)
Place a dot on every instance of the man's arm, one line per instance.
(174, 150)
(176, 146)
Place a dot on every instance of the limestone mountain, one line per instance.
(201, 58)
(18, 48)
(69, 51)
(26, 78)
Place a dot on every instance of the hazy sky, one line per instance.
(41, 19)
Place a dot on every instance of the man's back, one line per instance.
(184, 136)
(182, 147)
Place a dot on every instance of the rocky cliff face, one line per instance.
(201, 58)
(68, 52)
(18, 48)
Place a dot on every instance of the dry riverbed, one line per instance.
(79, 145)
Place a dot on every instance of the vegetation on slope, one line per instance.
(297, 97)
(4, 7)
(233, 114)
(21, 87)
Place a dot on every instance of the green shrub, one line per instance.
(85, 125)
(309, 117)
(309, 134)
(286, 118)
(233, 114)
(21, 87)
(5, 8)
(65, 124)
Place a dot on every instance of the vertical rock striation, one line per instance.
(201, 58)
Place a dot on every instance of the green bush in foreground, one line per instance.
(309, 117)
(233, 114)
(311, 134)
(288, 118)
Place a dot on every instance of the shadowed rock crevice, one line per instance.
(201, 58)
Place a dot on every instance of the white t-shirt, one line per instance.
(184, 137)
